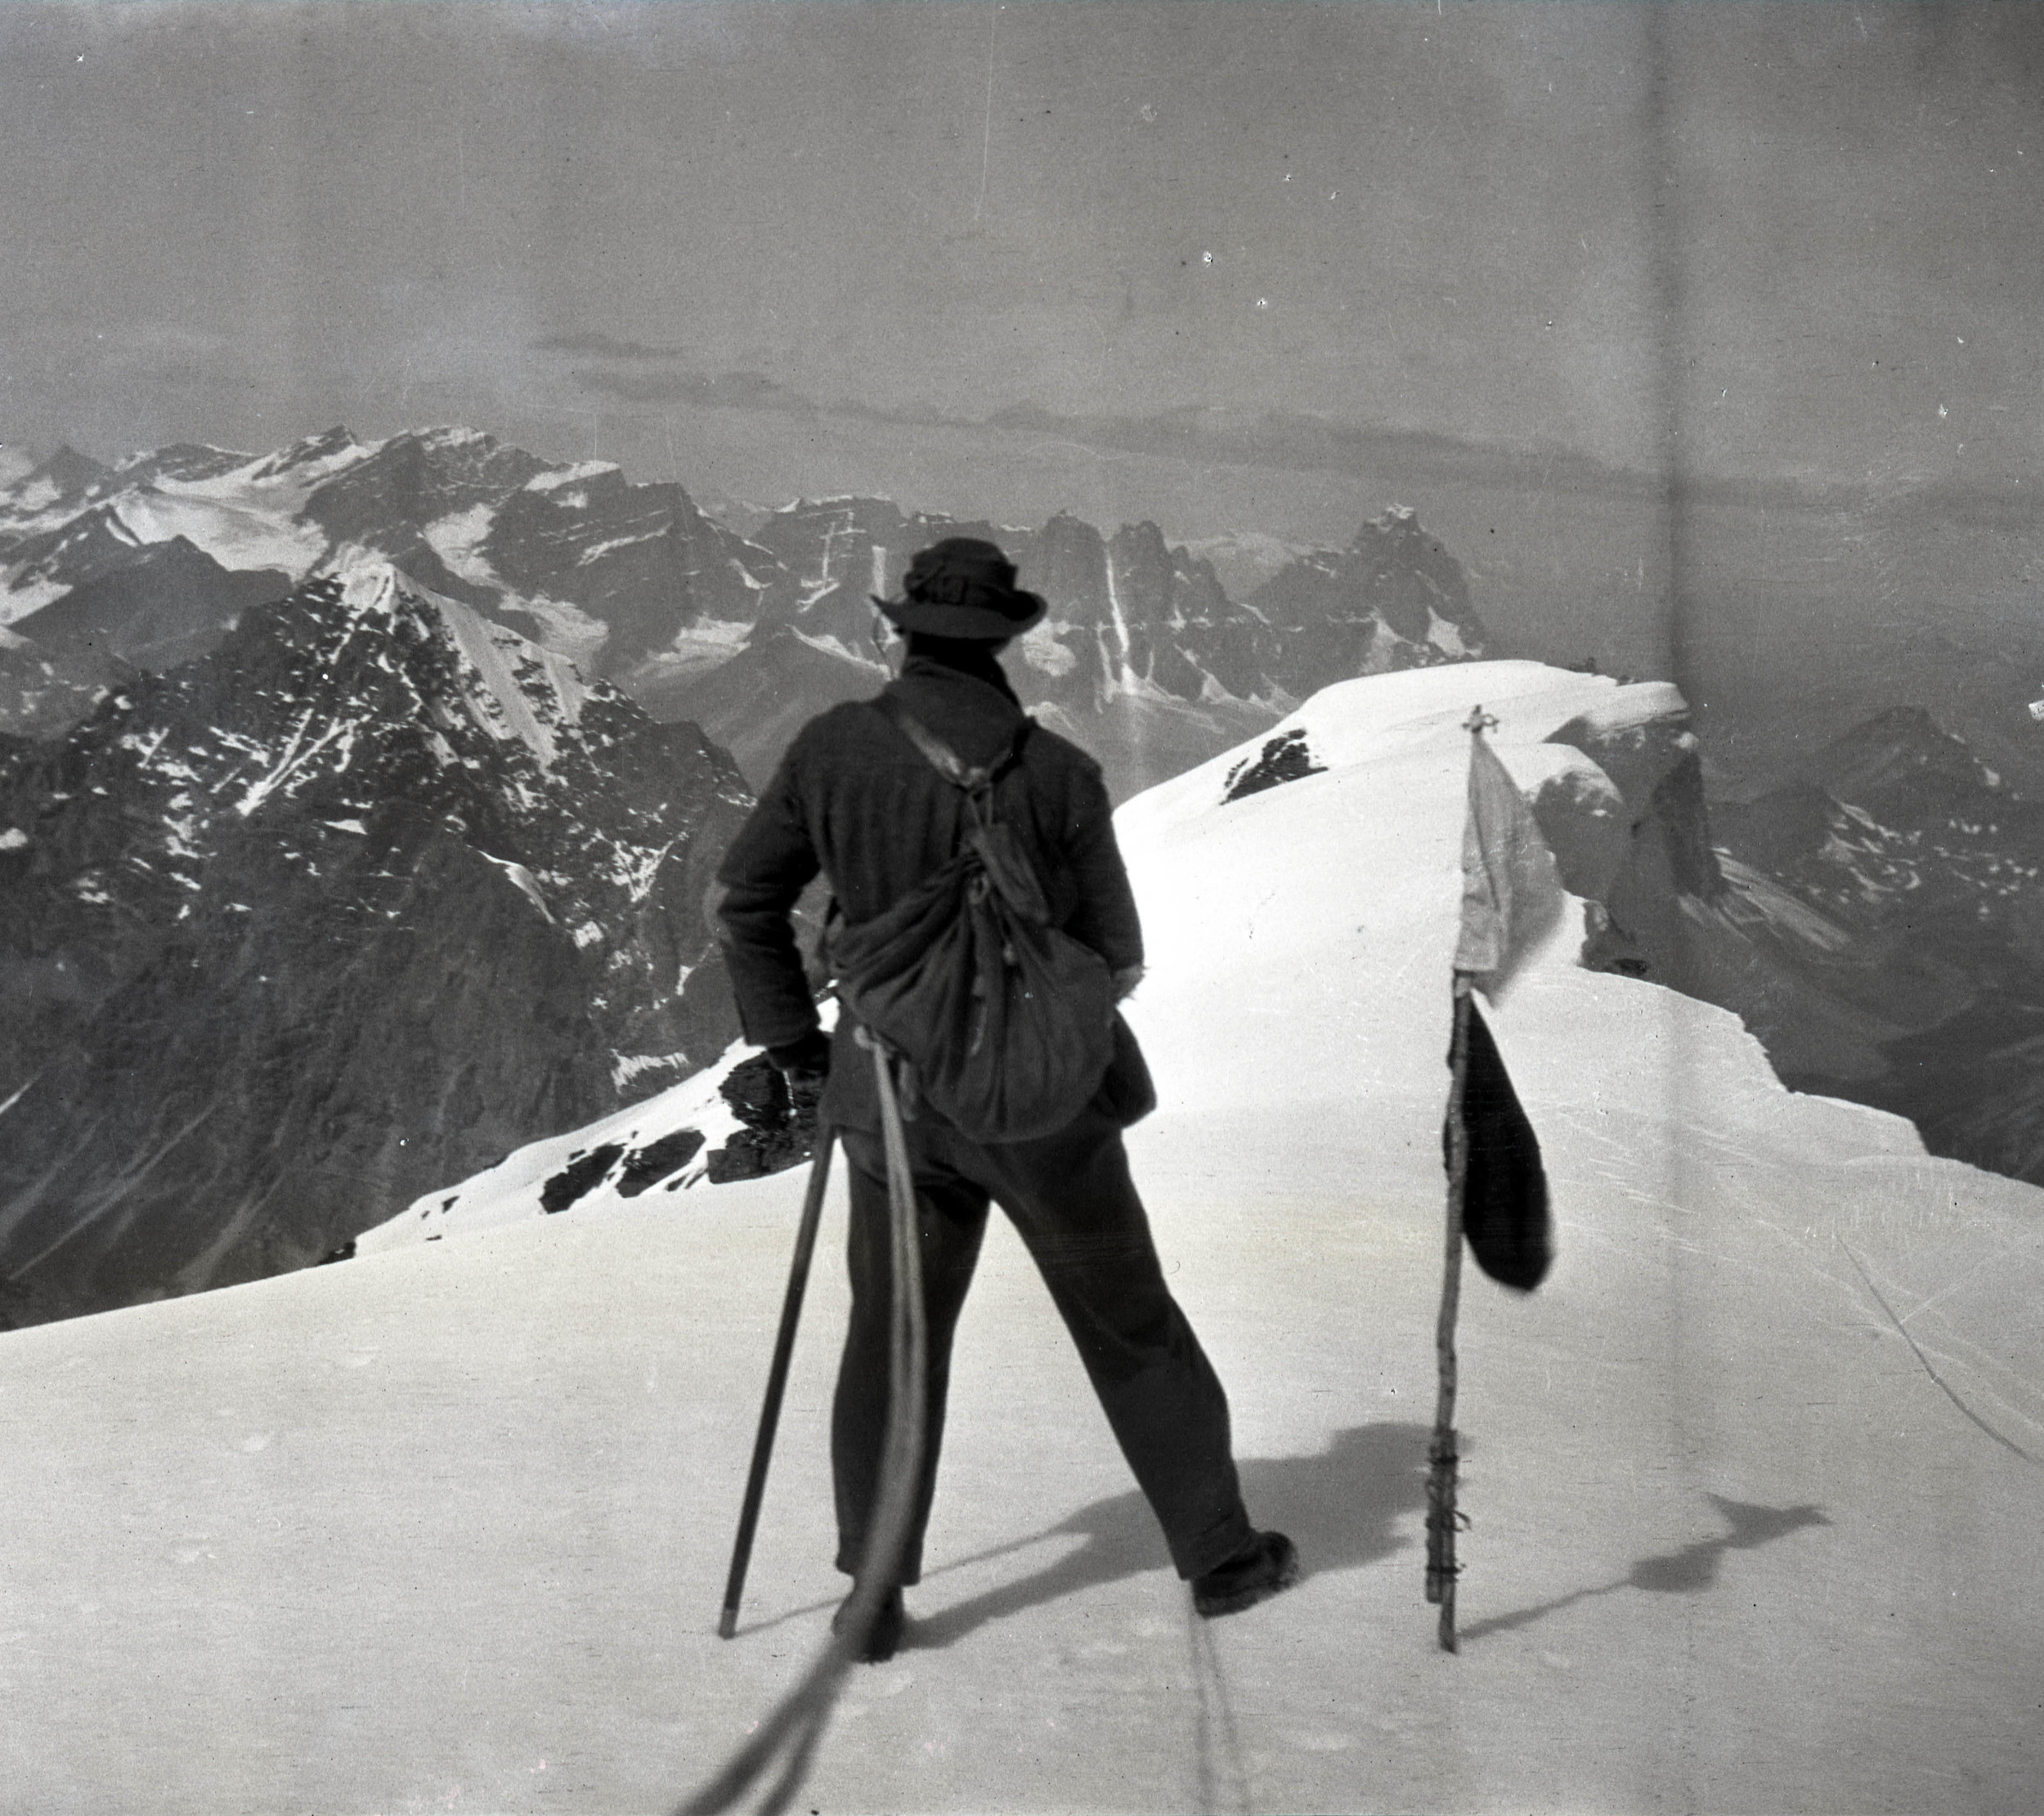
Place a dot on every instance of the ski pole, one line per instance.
(776, 1382)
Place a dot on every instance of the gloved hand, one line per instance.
(804, 1065)
(811, 1053)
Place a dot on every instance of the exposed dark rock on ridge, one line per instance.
(1285, 758)
(776, 1134)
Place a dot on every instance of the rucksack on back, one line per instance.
(1008, 1022)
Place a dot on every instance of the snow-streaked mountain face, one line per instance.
(1145, 656)
(1914, 876)
(602, 569)
(377, 889)
(50, 490)
(1394, 598)
(145, 606)
(640, 560)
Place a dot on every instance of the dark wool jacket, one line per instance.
(855, 800)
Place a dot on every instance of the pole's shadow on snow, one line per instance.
(1341, 1507)
(1687, 1572)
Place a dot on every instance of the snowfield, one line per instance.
(237, 530)
(1758, 1516)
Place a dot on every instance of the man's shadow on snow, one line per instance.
(1341, 1507)
(1687, 1572)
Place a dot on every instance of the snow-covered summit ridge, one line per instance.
(313, 456)
(1299, 942)
(1300, 938)
(1419, 713)
(1765, 1441)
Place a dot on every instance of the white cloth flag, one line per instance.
(1512, 895)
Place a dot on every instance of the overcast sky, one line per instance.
(581, 226)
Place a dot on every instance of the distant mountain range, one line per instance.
(590, 565)
(1907, 877)
(336, 857)
(1146, 657)
(360, 798)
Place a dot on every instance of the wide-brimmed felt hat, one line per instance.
(962, 587)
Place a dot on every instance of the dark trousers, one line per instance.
(1070, 1197)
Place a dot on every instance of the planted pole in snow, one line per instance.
(1441, 1456)
(1497, 1191)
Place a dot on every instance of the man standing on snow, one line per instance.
(855, 799)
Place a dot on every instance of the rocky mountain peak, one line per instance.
(1903, 751)
(376, 883)
(1923, 871)
(44, 564)
(413, 480)
(181, 461)
(639, 563)
(329, 447)
(151, 606)
(66, 477)
(1394, 598)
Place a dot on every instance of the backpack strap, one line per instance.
(974, 778)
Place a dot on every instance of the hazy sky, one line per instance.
(585, 225)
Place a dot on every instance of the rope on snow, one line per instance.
(1213, 1722)
(782, 1746)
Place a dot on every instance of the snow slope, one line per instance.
(1753, 1479)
